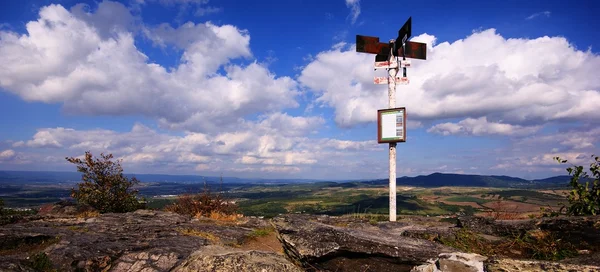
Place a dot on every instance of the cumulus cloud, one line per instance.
(564, 140)
(481, 126)
(108, 18)
(286, 125)
(7, 155)
(253, 150)
(68, 60)
(354, 6)
(522, 82)
(535, 153)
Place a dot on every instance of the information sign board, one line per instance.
(391, 125)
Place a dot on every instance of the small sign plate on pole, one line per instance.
(391, 125)
(385, 80)
(386, 64)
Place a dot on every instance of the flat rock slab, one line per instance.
(318, 246)
(143, 240)
(224, 259)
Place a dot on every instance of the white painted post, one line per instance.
(393, 72)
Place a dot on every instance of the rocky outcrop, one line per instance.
(318, 246)
(490, 226)
(138, 241)
(512, 265)
(582, 227)
(453, 262)
(64, 239)
(224, 259)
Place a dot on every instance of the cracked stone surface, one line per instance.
(318, 246)
(143, 240)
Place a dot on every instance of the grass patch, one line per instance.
(542, 245)
(261, 232)
(206, 235)
(78, 228)
(468, 241)
(17, 245)
(41, 262)
(536, 244)
(88, 214)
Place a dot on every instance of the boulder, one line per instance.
(224, 259)
(453, 262)
(318, 246)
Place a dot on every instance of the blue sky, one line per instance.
(275, 89)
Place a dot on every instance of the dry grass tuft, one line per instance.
(206, 235)
(205, 204)
(88, 214)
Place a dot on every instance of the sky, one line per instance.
(275, 89)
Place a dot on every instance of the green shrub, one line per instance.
(41, 262)
(104, 186)
(584, 198)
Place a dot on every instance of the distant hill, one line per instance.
(440, 179)
(432, 180)
(44, 177)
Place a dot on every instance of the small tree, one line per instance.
(104, 186)
(583, 200)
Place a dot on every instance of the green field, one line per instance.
(327, 198)
(467, 199)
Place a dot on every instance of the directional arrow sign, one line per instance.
(405, 32)
(414, 50)
(367, 44)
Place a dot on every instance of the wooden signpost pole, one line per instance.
(393, 72)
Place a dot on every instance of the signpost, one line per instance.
(391, 122)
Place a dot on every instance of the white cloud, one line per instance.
(18, 144)
(354, 6)
(522, 82)
(284, 124)
(7, 155)
(582, 139)
(254, 150)
(543, 13)
(202, 11)
(536, 153)
(109, 18)
(63, 59)
(481, 126)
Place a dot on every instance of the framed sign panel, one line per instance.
(391, 125)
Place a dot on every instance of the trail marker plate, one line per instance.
(386, 64)
(385, 80)
(402, 80)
